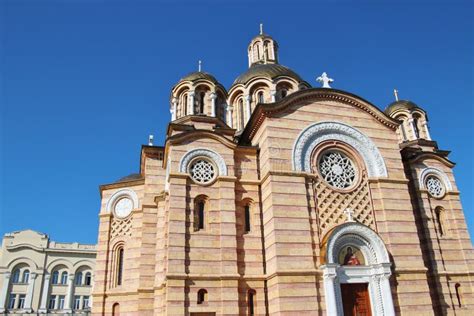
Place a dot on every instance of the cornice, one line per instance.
(122, 184)
(198, 133)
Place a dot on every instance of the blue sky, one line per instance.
(83, 84)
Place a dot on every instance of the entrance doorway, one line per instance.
(355, 299)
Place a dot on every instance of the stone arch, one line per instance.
(83, 264)
(58, 262)
(22, 260)
(202, 152)
(317, 133)
(436, 172)
(131, 194)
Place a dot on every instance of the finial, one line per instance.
(150, 140)
(349, 215)
(199, 65)
(261, 28)
(325, 80)
(395, 92)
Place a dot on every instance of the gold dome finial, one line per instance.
(261, 28)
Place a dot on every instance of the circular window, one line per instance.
(337, 169)
(434, 186)
(123, 207)
(202, 171)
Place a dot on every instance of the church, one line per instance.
(273, 197)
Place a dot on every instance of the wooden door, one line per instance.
(355, 299)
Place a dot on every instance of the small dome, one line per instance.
(270, 71)
(197, 75)
(400, 105)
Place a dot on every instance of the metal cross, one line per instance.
(349, 215)
(325, 80)
(199, 66)
(261, 28)
(395, 92)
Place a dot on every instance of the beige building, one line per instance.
(275, 198)
(41, 276)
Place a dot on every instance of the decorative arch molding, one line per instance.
(22, 260)
(317, 133)
(436, 172)
(376, 272)
(83, 263)
(202, 152)
(59, 262)
(131, 194)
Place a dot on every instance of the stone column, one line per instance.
(44, 294)
(68, 300)
(386, 291)
(248, 110)
(413, 128)
(213, 104)
(29, 292)
(230, 113)
(273, 93)
(191, 102)
(427, 131)
(329, 276)
(174, 101)
(4, 293)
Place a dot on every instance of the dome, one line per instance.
(197, 75)
(400, 105)
(270, 71)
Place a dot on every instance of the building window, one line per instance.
(64, 277)
(61, 299)
(415, 127)
(16, 276)
(52, 302)
(12, 301)
(85, 302)
(116, 309)
(458, 294)
(26, 276)
(441, 221)
(77, 302)
(55, 278)
(119, 266)
(78, 279)
(201, 102)
(247, 218)
(260, 97)
(88, 279)
(241, 115)
(283, 93)
(202, 171)
(21, 301)
(199, 213)
(251, 302)
(202, 296)
(434, 186)
(337, 169)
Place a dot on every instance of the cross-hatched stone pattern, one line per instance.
(121, 227)
(435, 186)
(331, 205)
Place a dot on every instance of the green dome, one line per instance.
(270, 71)
(400, 105)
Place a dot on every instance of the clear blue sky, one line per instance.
(85, 82)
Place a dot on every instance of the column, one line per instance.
(4, 293)
(175, 109)
(248, 110)
(413, 129)
(273, 93)
(230, 113)
(191, 102)
(213, 104)
(68, 300)
(427, 131)
(29, 292)
(387, 294)
(329, 276)
(44, 294)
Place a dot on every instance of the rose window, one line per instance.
(434, 186)
(337, 169)
(202, 171)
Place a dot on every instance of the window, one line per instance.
(260, 97)
(119, 266)
(16, 276)
(185, 104)
(77, 302)
(458, 294)
(441, 220)
(64, 277)
(251, 302)
(88, 279)
(116, 309)
(415, 127)
(26, 276)
(78, 279)
(337, 169)
(55, 278)
(202, 296)
(247, 218)
(85, 302)
(61, 299)
(434, 186)
(199, 213)
(201, 102)
(21, 301)
(241, 114)
(283, 93)
(12, 301)
(202, 171)
(52, 302)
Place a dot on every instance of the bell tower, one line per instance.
(263, 49)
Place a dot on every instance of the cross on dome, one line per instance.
(395, 92)
(261, 28)
(349, 215)
(325, 80)
(199, 65)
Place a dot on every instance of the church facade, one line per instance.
(276, 198)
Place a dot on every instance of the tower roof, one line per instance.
(269, 71)
(401, 105)
(197, 75)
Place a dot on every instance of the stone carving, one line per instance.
(118, 196)
(434, 186)
(121, 227)
(123, 207)
(337, 169)
(202, 171)
(430, 171)
(317, 133)
(184, 164)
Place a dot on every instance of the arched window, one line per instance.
(247, 218)
(260, 97)
(199, 213)
(55, 278)
(88, 279)
(241, 114)
(16, 276)
(201, 102)
(458, 294)
(201, 296)
(78, 279)
(26, 276)
(251, 301)
(185, 104)
(283, 93)
(415, 127)
(119, 258)
(116, 309)
(441, 221)
(64, 277)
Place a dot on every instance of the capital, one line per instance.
(192, 93)
(248, 97)
(213, 95)
(273, 92)
(174, 100)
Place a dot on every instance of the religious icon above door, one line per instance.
(351, 256)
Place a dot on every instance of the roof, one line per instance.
(130, 177)
(400, 105)
(266, 70)
(193, 76)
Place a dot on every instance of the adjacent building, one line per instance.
(41, 276)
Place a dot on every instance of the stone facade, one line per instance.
(40, 276)
(236, 213)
